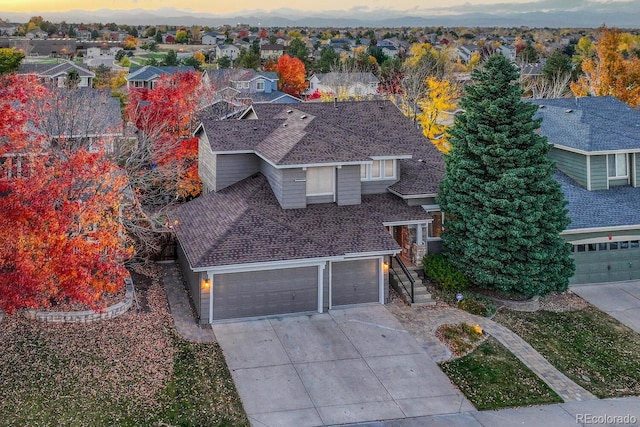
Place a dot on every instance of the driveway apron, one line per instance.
(350, 365)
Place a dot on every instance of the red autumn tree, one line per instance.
(292, 74)
(61, 237)
(162, 164)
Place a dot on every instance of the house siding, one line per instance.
(232, 168)
(315, 200)
(206, 163)
(377, 186)
(193, 283)
(420, 201)
(599, 173)
(294, 188)
(349, 187)
(572, 164)
(288, 185)
(635, 162)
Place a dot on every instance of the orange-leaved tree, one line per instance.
(292, 74)
(609, 72)
(61, 235)
(161, 164)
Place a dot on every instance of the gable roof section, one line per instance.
(590, 124)
(223, 77)
(615, 207)
(245, 224)
(53, 70)
(149, 72)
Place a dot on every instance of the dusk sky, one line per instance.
(227, 6)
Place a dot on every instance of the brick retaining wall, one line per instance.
(87, 315)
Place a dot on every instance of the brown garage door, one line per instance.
(354, 282)
(263, 293)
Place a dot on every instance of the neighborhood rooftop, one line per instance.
(593, 124)
(220, 228)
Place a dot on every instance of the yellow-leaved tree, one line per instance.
(437, 109)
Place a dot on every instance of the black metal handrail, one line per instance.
(407, 274)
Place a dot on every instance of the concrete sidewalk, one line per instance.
(621, 412)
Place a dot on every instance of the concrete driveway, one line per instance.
(620, 300)
(347, 366)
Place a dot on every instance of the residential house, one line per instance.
(466, 52)
(271, 51)
(242, 87)
(83, 35)
(355, 84)
(390, 51)
(227, 50)
(8, 29)
(213, 38)
(82, 117)
(59, 75)
(37, 34)
(304, 206)
(596, 147)
(508, 51)
(146, 76)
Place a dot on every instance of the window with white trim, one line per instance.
(320, 181)
(617, 165)
(378, 169)
(260, 85)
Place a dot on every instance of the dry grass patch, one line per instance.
(128, 371)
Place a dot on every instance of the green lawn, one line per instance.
(491, 378)
(129, 371)
(589, 346)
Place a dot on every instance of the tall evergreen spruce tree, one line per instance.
(504, 210)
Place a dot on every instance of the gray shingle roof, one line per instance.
(244, 223)
(590, 124)
(149, 72)
(617, 206)
(330, 133)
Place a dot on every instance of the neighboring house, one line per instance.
(82, 117)
(390, 51)
(596, 147)
(465, 52)
(303, 206)
(145, 77)
(535, 69)
(508, 51)
(37, 34)
(344, 84)
(227, 50)
(271, 51)
(213, 38)
(8, 29)
(57, 75)
(83, 35)
(243, 87)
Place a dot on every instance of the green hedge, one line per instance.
(440, 270)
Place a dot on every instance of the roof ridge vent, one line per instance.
(304, 116)
(568, 110)
(289, 111)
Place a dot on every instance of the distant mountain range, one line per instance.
(570, 14)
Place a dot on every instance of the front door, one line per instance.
(401, 234)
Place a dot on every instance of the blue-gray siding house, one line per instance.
(303, 207)
(596, 147)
